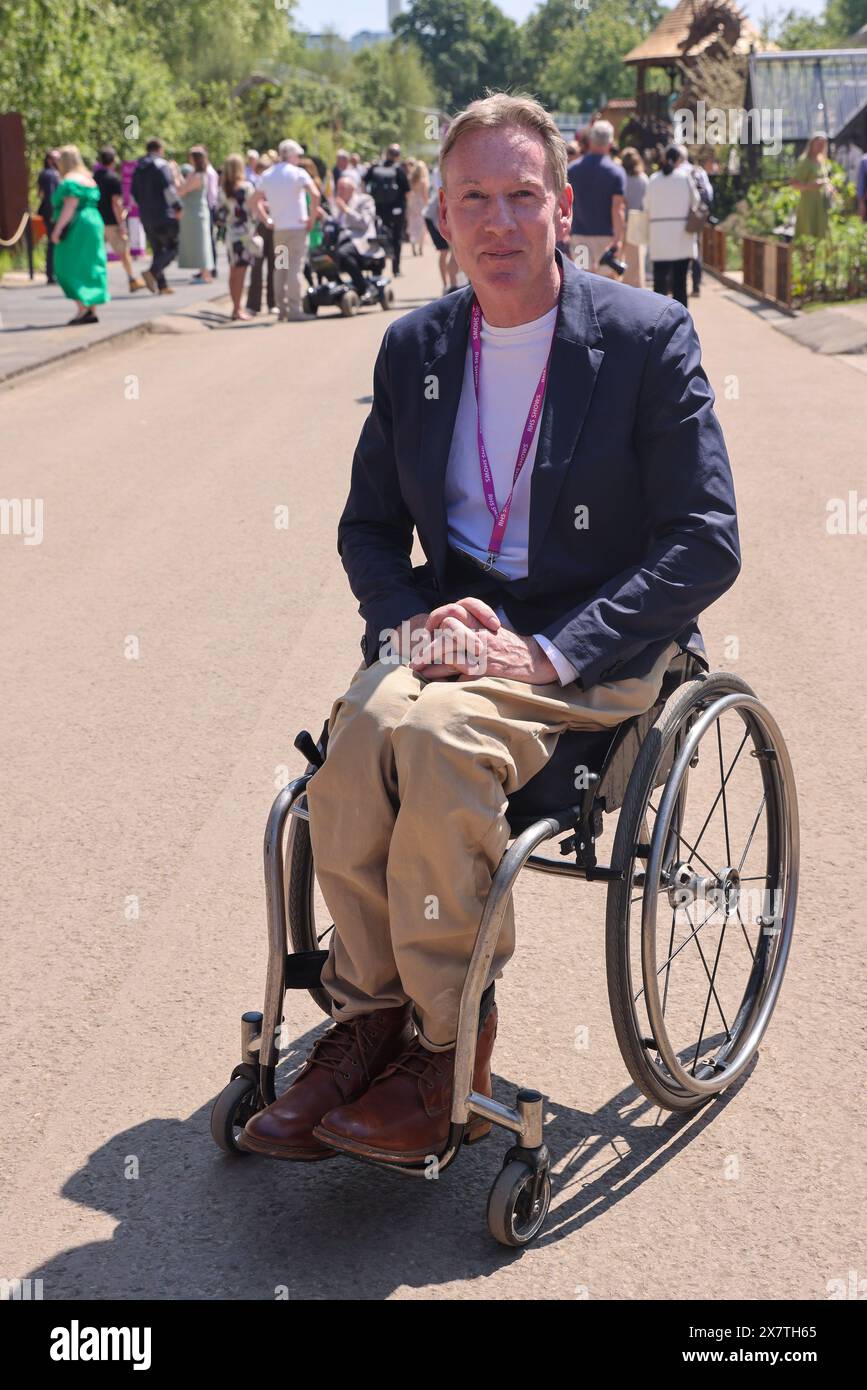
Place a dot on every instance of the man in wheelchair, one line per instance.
(550, 436)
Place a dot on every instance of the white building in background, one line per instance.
(394, 9)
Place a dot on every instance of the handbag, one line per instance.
(697, 217)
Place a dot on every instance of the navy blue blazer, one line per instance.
(628, 431)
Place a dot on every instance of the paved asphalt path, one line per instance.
(134, 797)
(34, 317)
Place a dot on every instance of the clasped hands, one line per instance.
(466, 639)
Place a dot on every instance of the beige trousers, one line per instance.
(119, 242)
(586, 251)
(407, 824)
(633, 255)
(290, 252)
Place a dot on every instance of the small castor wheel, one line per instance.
(387, 300)
(515, 1216)
(349, 304)
(233, 1107)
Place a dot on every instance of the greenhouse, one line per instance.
(823, 90)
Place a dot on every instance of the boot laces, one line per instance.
(345, 1044)
(417, 1061)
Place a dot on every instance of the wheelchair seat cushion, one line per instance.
(554, 789)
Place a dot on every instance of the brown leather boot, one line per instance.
(340, 1067)
(405, 1115)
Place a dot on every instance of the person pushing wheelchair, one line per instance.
(550, 436)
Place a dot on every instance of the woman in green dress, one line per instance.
(80, 264)
(811, 178)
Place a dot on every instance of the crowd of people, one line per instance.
(270, 209)
(656, 218)
(633, 225)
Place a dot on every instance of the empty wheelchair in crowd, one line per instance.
(702, 886)
(329, 285)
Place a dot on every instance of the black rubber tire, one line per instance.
(387, 300)
(349, 304)
(629, 831)
(224, 1115)
(504, 1224)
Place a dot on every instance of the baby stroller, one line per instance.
(329, 285)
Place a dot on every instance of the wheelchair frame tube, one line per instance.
(275, 898)
(464, 1099)
(525, 1121)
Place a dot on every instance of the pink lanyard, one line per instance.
(501, 515)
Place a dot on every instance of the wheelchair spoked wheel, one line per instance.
(300, 879)
(699, 928)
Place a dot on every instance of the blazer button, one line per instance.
(363, 644)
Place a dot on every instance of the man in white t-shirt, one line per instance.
(281, 200)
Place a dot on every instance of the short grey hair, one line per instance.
(498, 110)
(601, 134)
(287, 148)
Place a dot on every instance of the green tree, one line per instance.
(56, 68)
(218, 40)
(468, 45)
(843, 18)
(798, 29)
(392, 90)
(587, 63)
(794, 28)
(559, 27)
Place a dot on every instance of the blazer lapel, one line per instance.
(442, 386)
(575, 363)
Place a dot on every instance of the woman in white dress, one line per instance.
(671, 195)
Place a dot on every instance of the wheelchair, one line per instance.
(327, 286)
(698, 925)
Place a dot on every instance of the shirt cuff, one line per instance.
(562, 665)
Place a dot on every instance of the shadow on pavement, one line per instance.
(198, 1224)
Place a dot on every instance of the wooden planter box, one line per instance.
(768, 269)
(713, 249)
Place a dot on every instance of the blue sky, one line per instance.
(348, 16)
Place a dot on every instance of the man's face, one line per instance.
(499, 210)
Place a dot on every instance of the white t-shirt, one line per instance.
(284, 186)
(512, 362)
